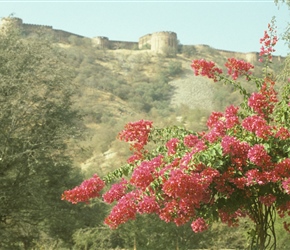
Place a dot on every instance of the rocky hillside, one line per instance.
(118, 86)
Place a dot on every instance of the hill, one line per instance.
(118, 86)
(121, 81)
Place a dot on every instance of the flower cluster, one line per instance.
(238, 68)
(148, 205)
(125, 210)
(263, 102)
(286, 185)
(87, 190)
(172, 145)
(268, 199)
(146, 172)
(191, 140)
(218, 123)
(206, 68)
(239, 167)
(282, 133)
(258, 125)
(136, 133)
(199, 225)
(259, 156)
(268, 42)
(236, 149)
(231, 115)
(116, 192)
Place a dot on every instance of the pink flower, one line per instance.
(206, 68)
(253, 177)
(136, 133)
(190, 140)
(267, 200)
(257, 125)
(213, 119)
(87, 190)
(286, 185)
(172, 146)
(236, 149)
(116, 192)
(237, 68)
(199, 225)
(217, 132)
(283, 133)
(263, 103)
(125, 210)
(144, 174)
(232, 146)
(231, 116)
(259, 156)
(282, 169)
(137, 155)
(256, 177)
(268, 42)
(148, 205)
(240, 182)
(168, 212)
(258, 102)
(181, 185)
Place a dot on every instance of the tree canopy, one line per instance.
(36, 123)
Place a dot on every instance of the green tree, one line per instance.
(36, 122)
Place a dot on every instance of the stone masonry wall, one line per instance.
(157, 41)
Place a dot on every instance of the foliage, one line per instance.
(36, 123)
(239, 168)
(169, 52)
(283, 1)
(147, 232)
(188, 51)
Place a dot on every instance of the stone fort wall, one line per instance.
(28, 29)
(156, 41)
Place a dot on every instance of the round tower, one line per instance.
(162, 40)
(145, 42)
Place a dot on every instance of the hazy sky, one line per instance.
(229, 25)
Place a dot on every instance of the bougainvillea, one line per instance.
(87, 190)
(239, 167)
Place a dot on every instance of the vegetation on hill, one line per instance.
(62, 106)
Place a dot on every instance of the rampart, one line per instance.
(28, 29)
(157, 41)
(251, 57)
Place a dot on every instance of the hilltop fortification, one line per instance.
(157, 42)
(29, 29)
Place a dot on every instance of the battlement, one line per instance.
(157, 41)
(165, 33)
(35, 25)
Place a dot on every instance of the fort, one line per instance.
(157, 42)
